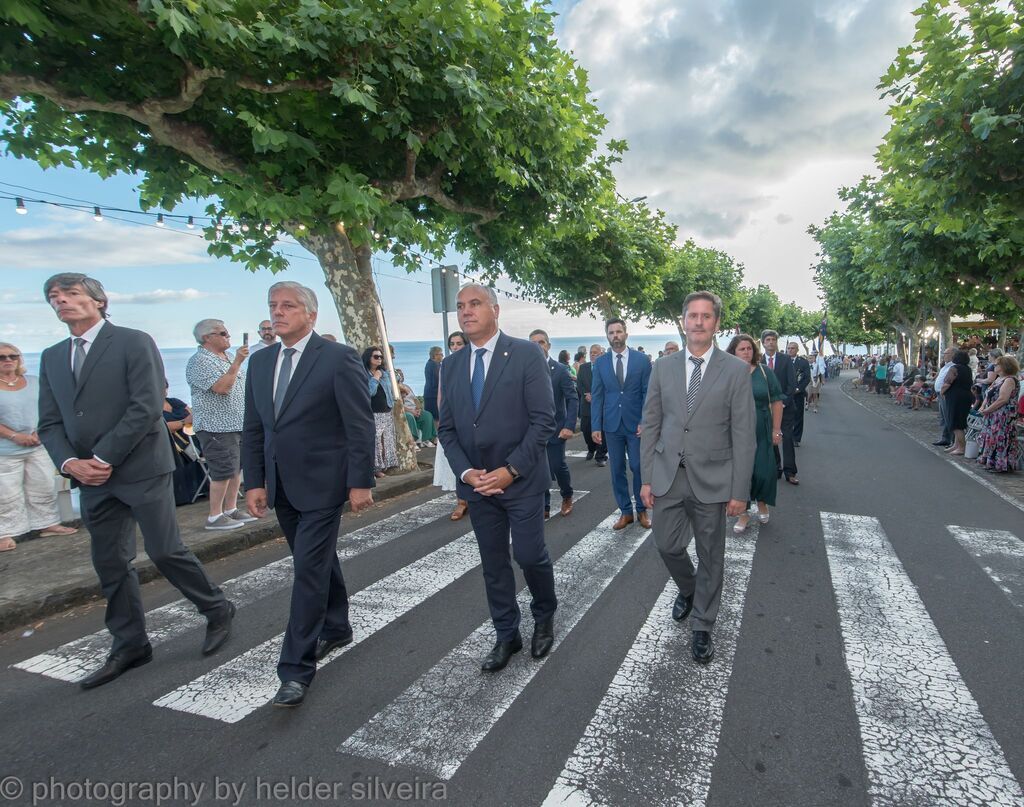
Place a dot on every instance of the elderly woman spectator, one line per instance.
(421, 422)
(768, 404)
(1000, 450)
(382, 400)
(28, 496)
(217, 382)
(956, 391)
(988, 375)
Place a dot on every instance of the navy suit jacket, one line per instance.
(803, 374)
(322, 443)
(515, 420)
(612, 410)
(785, 372)
(430, 379)
(567, 400)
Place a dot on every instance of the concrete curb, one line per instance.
(219, 545)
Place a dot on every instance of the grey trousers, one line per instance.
(678, 516)
(111, 516)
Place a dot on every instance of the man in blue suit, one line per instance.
(567, 404)
(307, 446)
(616, 409)
(495, 442)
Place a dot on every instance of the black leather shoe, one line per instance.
(502, 652)
(703, 647)
(681, 607)
(218, 630)
(290, 693)
(590, 455)
(941, 443)
(543, 638)
(601, 463)
(547, 513)
(118, 663)
(325, 646)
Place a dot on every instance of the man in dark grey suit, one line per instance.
(785, 372)
(497, 413)
(101, 420)
(584, 384)
(697, 446)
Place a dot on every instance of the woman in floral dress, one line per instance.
(1000, 451)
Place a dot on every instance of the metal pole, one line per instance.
(444, 324)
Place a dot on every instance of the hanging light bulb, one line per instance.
(220, 226)
(191, 223)
(96, 213)
(245, 228)
(159, 219)
(19, 207)
(302, 226)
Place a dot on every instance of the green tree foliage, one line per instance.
(762, 311)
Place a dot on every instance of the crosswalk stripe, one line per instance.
(77, 658)
(438, 721)
(1000, 555)
(619, 759)
(923, 736)
(239, 687)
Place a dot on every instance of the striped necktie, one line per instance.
(694, 385)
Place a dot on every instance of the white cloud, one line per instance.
(68, 240)
(161, 296)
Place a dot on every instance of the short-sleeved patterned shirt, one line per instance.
(211, 411)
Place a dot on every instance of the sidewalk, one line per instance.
(923, 426)
(44, 576)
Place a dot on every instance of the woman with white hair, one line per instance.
(28, 496)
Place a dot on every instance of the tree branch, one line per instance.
(412, 187)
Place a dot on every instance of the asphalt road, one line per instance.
(870, 651)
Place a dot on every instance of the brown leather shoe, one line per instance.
(459, 511)
(644, 519)
(566, 506)
(623, 522)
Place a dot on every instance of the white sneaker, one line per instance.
(241, 514)
(223, 522)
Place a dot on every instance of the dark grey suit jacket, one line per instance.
(114, 412)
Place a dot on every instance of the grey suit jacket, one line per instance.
(114, 412)
(717, 439)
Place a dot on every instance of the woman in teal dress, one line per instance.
(768, 403)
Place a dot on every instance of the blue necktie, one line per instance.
(477, 382)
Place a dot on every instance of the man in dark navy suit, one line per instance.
(497, 414)
(785, 372)
(584, 383)
(803, 378)
(616, 408)
(566, 408)
(307, 446)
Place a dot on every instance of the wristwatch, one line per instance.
(515, 474)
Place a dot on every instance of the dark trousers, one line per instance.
(111, 516)
(947, 430)
(800, 404)
(559, 471)
(494, 520)
(319, 606)
(600, 450)
(620, 444)
(786, 462)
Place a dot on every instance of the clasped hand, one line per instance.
(488, 483)
(88, 472)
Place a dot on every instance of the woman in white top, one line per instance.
(444, 476)
(28, 496)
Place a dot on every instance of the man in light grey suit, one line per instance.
(697, 446)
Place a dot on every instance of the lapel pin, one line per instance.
(505, 353)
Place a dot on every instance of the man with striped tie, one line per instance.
(697, 445)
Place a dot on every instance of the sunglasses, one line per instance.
(377, 356)
(218, 333)
(9, 356)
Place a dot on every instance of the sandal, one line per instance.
(7, 544)
(57, 529)
(460, 510)
(739, 528)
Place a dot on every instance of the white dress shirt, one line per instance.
(299, 347)
(490, 344)
(89, 337)
(940, 377)
(706, 355)
(772, 358)
(625, 362)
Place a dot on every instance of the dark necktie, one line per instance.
(694, 385)
(79, 359)
(620, 373)
(477, 382)
(282, 380)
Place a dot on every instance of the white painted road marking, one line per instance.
(654, 736)
(438, 721)
(923, 736)
(78, 658)
(236, 689)
(1000, 554)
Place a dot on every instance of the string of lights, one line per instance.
(161, 220)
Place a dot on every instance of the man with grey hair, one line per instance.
(217, 382)
(671, 347)
(585, 383)
(307, 446)
(101, 396)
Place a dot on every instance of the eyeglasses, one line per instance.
(9, 356)
(218, 333)
(377, 356)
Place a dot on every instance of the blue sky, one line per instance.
(743, 118)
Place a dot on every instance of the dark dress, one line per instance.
(959, 397)
(764, 482)
(188, 474)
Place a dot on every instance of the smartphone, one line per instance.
(245, 339)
